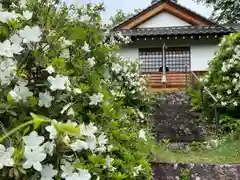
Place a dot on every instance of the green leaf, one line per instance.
(38, 120)
(12, 113)
(67, 128)
(78, 33)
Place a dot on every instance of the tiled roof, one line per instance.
(179, 30)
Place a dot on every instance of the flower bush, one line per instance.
(71, 108)
(223, 78)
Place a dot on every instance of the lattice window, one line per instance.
(151, 59)
(178, 58)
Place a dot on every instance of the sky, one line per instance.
(129, 6)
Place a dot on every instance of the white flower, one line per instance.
(14, 95)
(20, 92)
(108, 163)
(59, 82)
(15, 39)
(5, 16)
(137, 169)
(88, 130)
(30, 34)
(23, 3)
(50, 69)
(79, 146)
(142, 134)
(33, 140)
(8, 50)
(92, 143)
(6, 156)
(48, 172)
(65, 53)
(224, 103)
(96, 98)
(229, 91)
(49, 147)
(27, 15)
(67, 169)
(91, 61)
(234, 81)
(66, 107)
(52, 132)
(34, 157)
(83, 175)
(71, 112)
(235, 103)
(77, 91)
(116, 68)
(86, 47)
(102, 139)
(45, 99)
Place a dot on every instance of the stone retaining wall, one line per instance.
(165, 171)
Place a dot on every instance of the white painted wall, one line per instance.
(201, 55)
(164, 19)
(201, 51)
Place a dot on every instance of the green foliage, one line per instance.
(223, 79)
(120, 16)
(71, 38)
(225, 11)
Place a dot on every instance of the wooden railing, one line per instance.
(174, 79)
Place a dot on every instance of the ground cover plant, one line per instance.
(70, 107)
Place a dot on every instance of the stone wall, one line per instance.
(165, 171)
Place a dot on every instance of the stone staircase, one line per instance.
(175, 121)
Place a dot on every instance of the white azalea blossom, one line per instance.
(49, 147)
(96, 98)
(6, 156)
(8, 50)
(67, 169)
(33, 140)
(142, 134)
(45, 99)
(88, 130)
(50, 69)
(79, 145)
(34, 157)
(108, 163)
(137, 170)
(86, 47)
(77, 91)
(102, 139)
(92, 143)
(5, 16)
(48, 172)
(116, 68)
(52, 132)
(91, 61)
(59, 82)
(84, 175)
(27, 15)
(31, 34)
(21, 92)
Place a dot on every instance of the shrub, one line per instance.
(71, 108)
(223, 78)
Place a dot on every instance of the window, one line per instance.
(176, 59)
(151, 59)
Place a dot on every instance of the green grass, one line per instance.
(226, 153)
